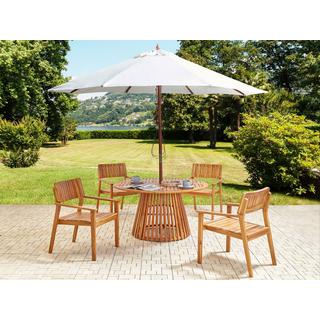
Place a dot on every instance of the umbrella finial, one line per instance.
(157, 47)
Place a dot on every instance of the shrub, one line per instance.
(20, 141)
(21, 158)
(142, 134)
(279, 151)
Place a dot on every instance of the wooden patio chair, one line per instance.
(208, 171)
(234, 225)
(83, 216)
(113, 170)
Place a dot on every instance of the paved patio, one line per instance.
(25, 232)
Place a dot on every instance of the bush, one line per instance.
(279, 151)
(20, 141)
(142, 134)
(21, 158)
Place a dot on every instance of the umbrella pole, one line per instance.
(159, 132)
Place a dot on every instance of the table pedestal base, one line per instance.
(161, 217)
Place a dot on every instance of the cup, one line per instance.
(135, 179)
(186, 183)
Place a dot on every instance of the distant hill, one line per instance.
(117, 109)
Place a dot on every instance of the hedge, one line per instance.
(141, 134)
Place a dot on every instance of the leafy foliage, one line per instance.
(288, 70)
(119, 109)
(20, 158)
(184, 112)
(20, 141)
(294, 66)
(69, 129)
(279, 151)
(27, 70)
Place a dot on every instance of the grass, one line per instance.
(80, 158)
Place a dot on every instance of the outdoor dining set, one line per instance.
(160, 214)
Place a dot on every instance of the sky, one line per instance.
(87, 56)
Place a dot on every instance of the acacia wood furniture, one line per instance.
(83, 216)
(208, 171)
(109, 171)
(161, 215)
(234, 225)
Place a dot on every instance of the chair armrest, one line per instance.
(76, 207)
(217, 214)
(99, 198)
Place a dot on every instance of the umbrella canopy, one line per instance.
(143, 73)
(157, 72)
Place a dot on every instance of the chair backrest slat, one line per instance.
(68, 190)
(201, 170)
(112, 170)
(254, 200)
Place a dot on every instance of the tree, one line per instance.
(236, 59)
(27, 70)
(212, 103)
(288, 70)
(184, 112)
(294, 66)
(69, 129)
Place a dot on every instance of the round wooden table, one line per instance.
(161, 215)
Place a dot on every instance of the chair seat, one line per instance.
(202, 192)
(231, 226)
(83, 218)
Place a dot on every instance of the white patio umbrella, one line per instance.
(157, 72)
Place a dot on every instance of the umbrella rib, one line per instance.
(189, 90)
(239, 92)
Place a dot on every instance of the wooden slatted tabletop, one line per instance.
(167, 186)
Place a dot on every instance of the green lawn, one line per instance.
(80, 158)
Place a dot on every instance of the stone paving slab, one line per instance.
(25, 233)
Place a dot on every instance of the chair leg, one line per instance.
(122, 200)
(212, 206)
(93, 242)
(98, 201)
(194, 202)
(271, 248)
(53, 236)
(200, 239)
(247, 254)
(228, 243)
(116, 231)
(228, 238)
(220, 196)
(54, 229)
(75, 232)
